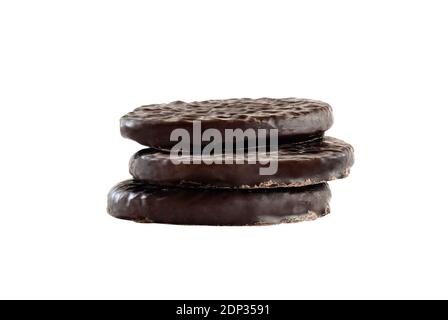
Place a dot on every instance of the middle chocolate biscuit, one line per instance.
(292, 165)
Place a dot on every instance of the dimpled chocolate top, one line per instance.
(151, 125)
(299, 164)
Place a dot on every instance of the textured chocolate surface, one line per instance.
(299, 164)
(140, 202)
(152, 125)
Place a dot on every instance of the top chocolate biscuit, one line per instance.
(294, 118)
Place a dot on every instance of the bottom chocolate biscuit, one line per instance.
(141, 202)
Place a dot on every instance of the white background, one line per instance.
(70, 69)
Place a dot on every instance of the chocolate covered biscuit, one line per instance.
(141, 202)
(299, 164)
(295, 119)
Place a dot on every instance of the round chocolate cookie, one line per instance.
(296, 119)
(298, 164)
(140, 202)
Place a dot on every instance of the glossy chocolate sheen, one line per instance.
(299, 164)
(295, 119)
(140, 202)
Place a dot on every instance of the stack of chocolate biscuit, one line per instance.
(230, 162)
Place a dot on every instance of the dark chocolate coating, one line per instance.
(299, 164)
(140, 202)
(295, 119)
